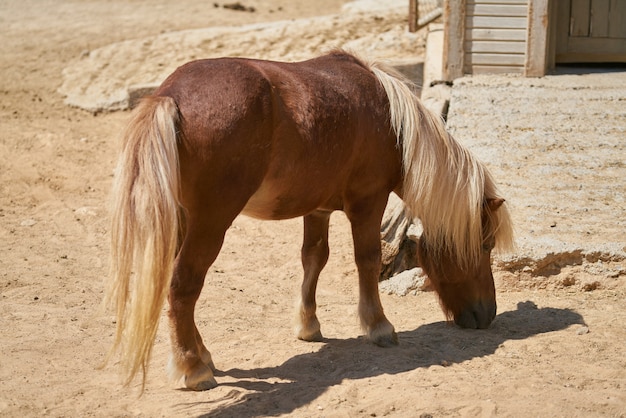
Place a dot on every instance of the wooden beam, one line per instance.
(495, 69)
(515, 10)
(499, 2)
(495, 59)
(454, 38)
(580, 18)
(497, 22)
(497, 47)
(617, 17)
(599, 25)
(413, 15)
(553, 24)
(495, 35)
(537, 44)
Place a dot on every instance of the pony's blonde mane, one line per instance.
(445, 185)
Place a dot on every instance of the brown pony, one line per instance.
(278, 140)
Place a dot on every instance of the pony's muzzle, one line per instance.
(477, 316)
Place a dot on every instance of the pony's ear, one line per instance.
(494, 204)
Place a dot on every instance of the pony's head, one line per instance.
(466, 290)
(456, 200)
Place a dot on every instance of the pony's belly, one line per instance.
(261, 207)
(274, 203)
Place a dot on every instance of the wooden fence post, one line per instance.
(413, 15)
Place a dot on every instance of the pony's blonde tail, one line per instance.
(144, 230)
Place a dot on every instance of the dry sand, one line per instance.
(555, 349)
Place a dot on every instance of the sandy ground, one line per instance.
(555, 349)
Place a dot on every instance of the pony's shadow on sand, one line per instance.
(301, 379)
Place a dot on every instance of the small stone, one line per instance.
(403, 283)
(590, 287)
(414, 232)
(569, 281)
(28, 222)
(582, 330)
(86, 211)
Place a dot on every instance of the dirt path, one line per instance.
(553, 350)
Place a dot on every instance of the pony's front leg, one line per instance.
(190, 358)
(365, 223)
(314, 257)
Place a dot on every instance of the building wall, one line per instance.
(495, 36)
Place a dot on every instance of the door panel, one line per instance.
(591, 31)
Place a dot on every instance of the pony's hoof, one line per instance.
(201, 380)
(387, 340)
(383, 334)
(308, 329)
(314, 337)
(205, 385)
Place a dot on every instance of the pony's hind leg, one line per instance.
(365, 218)
(314, 257)
(190, 358)
(205, 355)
